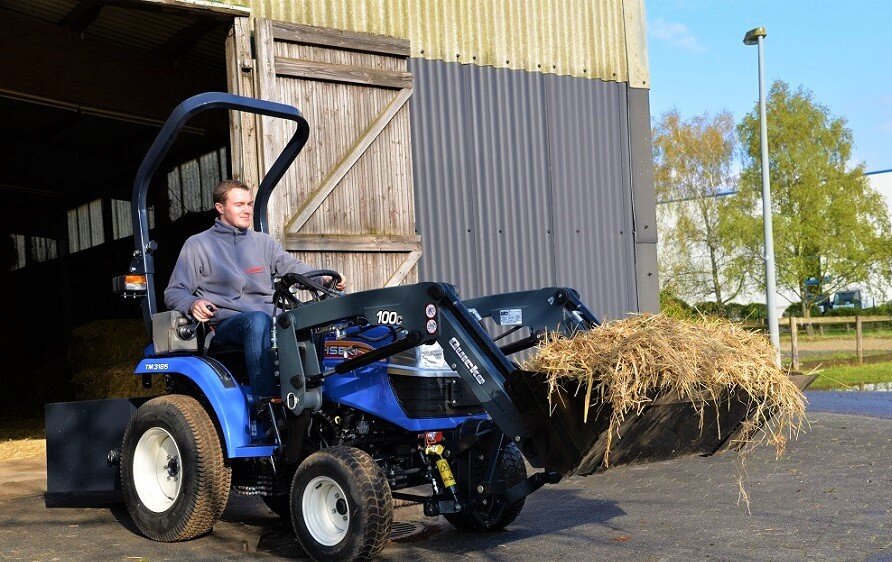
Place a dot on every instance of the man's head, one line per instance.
(234, 202)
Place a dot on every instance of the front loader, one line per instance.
(381, 391)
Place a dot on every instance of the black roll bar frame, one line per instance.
(143, 263)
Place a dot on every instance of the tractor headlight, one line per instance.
(431, 357)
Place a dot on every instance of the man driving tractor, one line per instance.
(223, 276)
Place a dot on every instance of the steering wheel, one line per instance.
(333, 278)
(308, 282)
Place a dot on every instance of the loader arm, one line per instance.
(433, 312)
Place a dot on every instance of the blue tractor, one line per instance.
(381, 391)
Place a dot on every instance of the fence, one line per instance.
(796, 323)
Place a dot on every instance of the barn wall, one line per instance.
(603, 39)
(523, 180)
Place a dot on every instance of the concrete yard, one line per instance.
(828, 497)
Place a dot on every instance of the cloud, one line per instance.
(676, 34)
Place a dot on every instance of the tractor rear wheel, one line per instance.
(174, 478)
(493, 518)
(341, 505)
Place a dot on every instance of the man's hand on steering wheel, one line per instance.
(340, 285)
(322, 283)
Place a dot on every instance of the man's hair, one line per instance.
(224, 187)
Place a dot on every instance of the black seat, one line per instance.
(232, 357)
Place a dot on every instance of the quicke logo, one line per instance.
(466, 360)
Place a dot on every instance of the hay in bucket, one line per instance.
(627, 364)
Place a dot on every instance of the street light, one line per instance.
(756, 37)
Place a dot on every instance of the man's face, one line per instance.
(238, 208)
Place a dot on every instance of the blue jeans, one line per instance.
(252, 330)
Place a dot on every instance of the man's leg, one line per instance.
(252, 330)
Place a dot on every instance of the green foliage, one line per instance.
(795, 309)
(747, 312)
(699, 257)
(734, 311)
(672, 306)
(881, 310)
(828, 223)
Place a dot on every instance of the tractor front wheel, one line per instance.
(489, 517)
(173, 475)
(341, 505)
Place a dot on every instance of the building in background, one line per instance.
(881, 181)
(495, 145)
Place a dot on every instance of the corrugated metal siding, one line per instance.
(521, 181)
(565, 37)
(588, 143)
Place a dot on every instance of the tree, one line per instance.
(699, 255)
(830, 228)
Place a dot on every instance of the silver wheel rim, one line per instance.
(326, 511)
(157, 470)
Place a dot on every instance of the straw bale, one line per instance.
(103, 354)
(629, 363)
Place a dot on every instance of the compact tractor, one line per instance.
(382, 391)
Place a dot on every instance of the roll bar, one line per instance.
(143, 262)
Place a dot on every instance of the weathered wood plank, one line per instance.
(270, 137)
(340, 170)
(825, 320)
(843, 319)
(350, 40)
(243, 126)
(314, 70)
(405, 267)
(352, 243)
(859, 339)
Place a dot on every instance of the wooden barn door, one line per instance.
(347, 203)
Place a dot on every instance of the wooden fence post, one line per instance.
(794, 342)
(859, 343)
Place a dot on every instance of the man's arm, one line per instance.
(282, 262)
(184, 281)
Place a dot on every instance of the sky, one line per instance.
(840, 50)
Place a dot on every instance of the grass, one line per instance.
(835, 378)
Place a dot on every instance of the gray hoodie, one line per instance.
(231, 268)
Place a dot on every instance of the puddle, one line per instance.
(873, 386)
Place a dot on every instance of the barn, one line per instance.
(495, 145)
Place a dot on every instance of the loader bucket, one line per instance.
(669, 427)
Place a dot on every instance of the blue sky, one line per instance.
(841, 50)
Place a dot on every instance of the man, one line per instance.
(224, 277)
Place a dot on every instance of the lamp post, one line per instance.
(756, 37)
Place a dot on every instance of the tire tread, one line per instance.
(212, 475)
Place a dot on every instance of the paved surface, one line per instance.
(875, 404)
(830, 497)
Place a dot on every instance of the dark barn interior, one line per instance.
(84, 88)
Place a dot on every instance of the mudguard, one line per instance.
(225, 395)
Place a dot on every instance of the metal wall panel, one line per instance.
(588, 129)
(522, 180)
(582, 38)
